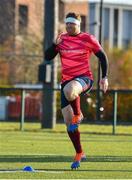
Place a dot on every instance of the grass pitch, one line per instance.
(50, 152)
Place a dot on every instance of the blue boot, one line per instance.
(75, 165)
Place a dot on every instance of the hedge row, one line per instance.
(88, 105)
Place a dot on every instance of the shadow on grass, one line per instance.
(64, 132)
(62, 170)
(84, 170)
(55, 158)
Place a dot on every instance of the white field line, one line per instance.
(35, 171)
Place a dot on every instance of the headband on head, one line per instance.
(72, 20)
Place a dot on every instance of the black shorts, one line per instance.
(85, 82)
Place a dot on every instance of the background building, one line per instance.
(20, 18)
(7, 19)
(29, 17)
(117, 21)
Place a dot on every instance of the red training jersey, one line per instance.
(75, 52)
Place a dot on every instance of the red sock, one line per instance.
(76, 106)
(75, 138)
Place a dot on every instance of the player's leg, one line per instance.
(69, 93)
(72, 90)
(75, 104)
(86, 84)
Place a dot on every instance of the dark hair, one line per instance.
(74, 15)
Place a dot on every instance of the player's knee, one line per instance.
(70, 94)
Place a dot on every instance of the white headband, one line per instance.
(72, 20)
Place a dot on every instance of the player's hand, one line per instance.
(58, 39)
(104, 84)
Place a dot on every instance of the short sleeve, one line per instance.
(95, 45)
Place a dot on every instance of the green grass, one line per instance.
(51, 152)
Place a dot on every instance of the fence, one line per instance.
(25, 103)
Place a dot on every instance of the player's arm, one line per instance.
(98, 51)
(104, 66)
(103, 61)
(51, 52)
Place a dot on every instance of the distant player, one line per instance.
(75, 48)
